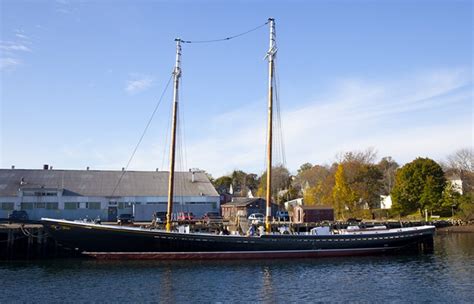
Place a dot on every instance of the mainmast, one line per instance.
(271, 66)
(176, 76)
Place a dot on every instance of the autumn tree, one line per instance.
(363, 177)
(418, 186)
(344, 197)
(321, 192)
(364, 157)
(310, 176)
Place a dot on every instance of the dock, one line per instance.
(28, 241)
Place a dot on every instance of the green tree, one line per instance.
(450, 200)
(466, 207)
(304, 167)
(430, 198)
(418, 185)
(280, 181)
(222, 184)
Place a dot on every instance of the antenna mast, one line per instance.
(176, 76)
(271, 56)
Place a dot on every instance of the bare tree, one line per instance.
(364, 157)
(462, 160)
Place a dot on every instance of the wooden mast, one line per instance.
(176, 76)
(270, 54)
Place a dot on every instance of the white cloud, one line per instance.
(405, 118)
(6, 63)
(9, 46)
(10, 51)
(138, 84)
(354, 114)
(22, 36)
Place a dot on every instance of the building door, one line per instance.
(112, 214)
(300, 215)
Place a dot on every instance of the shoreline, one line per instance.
(456, 229)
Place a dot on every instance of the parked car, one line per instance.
(212, 217)
(256, 218)
(125, 219)
(18, 215)
(160, 216)
(185, 216)
(282, 216)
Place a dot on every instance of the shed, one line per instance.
(309, 214)
(245, 206)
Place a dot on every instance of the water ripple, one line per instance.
(447, 275)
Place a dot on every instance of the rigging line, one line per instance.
(227, 38)
(167, 140)
(143, 134)
(279, 126)
(277, 76)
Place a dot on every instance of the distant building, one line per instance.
(456, 184)
(243, 206)
(385, 202)
(309, 214)
(293, 203)
(75, 194)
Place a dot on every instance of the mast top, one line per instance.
(177, 67)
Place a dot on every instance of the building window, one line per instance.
(71, 206)
(26, 206)
(40, 205)
(123, 205)
(93, 205)
(52, 206)
(8, 206)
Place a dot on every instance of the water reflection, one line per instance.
(166, 294)
(267, 286)
(447, 275)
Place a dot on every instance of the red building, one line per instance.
(310, 214)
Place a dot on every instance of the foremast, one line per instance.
(176, 77)
(271, 67)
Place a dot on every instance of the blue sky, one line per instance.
(79, 80)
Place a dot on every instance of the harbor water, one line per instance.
(444, 276)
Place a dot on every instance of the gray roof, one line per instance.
(102, 183)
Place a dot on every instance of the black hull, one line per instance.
(134, 241)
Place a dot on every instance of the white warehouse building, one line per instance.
(78, 194)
